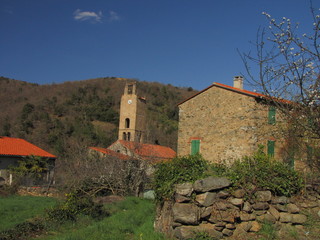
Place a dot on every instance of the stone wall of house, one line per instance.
(210, 206)
(229, 125)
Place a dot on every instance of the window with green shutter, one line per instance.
(272, 115)
(195, 147)
(271, 145)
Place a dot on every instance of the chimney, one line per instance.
(238, 82)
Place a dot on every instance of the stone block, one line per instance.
(236, 201)
(274, 212)
(227, 232)
(285, 217)
(255, 227)
(263, 196)
(239, 193)
(184, 189)
(282, 208)
(186, 213)
(211, 184)
(225, 216)
(292, 208)
(220, 205)
(223, 194)
(245, 217)
(260, 206)
(180, 198)
(205, 212)
(299, 218)
(246, 207)
(280, 200)
(206, 199)
(230, 226)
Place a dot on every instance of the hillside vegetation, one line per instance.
(66, 118)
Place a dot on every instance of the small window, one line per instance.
(129, 135)
(127, 123)
(271, 145)
(195, 147)
(124, 136)
(272, 115)
(130, 89)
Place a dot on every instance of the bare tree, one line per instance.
(288, 63)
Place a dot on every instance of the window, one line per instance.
(195, 147)
(130, 89)
(127, 123)
(271, 145)
(129, 136)
(272, 115)
(124, 136)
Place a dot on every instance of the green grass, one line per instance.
(18, 209)
(130, 219)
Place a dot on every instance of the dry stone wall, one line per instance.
(209, 205)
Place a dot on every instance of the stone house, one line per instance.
(225, 123)
(13, 150)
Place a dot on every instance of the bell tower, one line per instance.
(132, 115)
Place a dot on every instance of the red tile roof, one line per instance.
(148, 151)
(238, 90)
(111, 153)
(19, 147)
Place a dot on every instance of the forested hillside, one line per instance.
(64, 117)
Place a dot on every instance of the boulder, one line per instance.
(239, 193)
(206, 199)
(292, 208)
(246, 207)
(245, 217)
(260, 206)
(255, 227)
(225, 216)
(299, 218)
(236, 201)
(280, 200)
(274, 212)
(263, 196)
(186, 213)
(211, 184)
(184, 189)
(285, 217)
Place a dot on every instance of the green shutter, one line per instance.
(195, 146)
(272, 115)
(271, 148)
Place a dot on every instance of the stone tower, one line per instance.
(132, 115)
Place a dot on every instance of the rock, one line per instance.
(282, 208)
(269, 218)
(223, 194)
(206, 199)
(260, 206)
(319, 213)
(246, 207)
(209, 229)
(309, 204)
(236, 201)
(230, 226)
(292, 208)
(211, 183)
(184, 232)
(220, 205)
(263, 196)
(225, 216)
(239, 193)
(260, 212)
(227, 232)
(285, 217)
(245, 226)
(205, 212)
(280, 200)
(299, 218)
(245, 217)
(184, 189)
(274, 212)
(255, 227)
(218, 228)
(220, 224)
(180, 198)
(186, 213)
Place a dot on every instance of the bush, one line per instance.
(265, 174)
(179, 170)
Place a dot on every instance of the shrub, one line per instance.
(179, 170)
(265, 173)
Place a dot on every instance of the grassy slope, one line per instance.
(130, 219)
(17, 209)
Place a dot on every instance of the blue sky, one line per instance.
(179, 42)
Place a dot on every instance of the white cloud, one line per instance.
(87, 16)
(113, 16)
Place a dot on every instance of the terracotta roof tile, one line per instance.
(19, 147)
(238, 90)
(111, 153)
